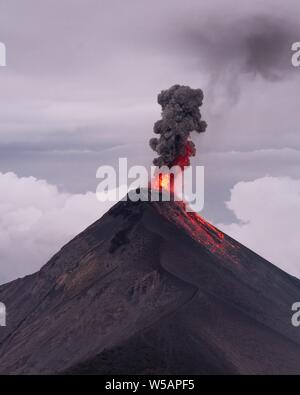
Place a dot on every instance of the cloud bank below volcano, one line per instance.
(268, 214)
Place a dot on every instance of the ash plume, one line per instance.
(180, 116)
(258, 45)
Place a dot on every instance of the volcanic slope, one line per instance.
(151, 289)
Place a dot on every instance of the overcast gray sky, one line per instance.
(80, 89)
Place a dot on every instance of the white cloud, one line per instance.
(36, 220)
(268, 210)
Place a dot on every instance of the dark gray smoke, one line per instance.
(180, 116)
(256, 45)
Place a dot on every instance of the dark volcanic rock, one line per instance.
(151, 289)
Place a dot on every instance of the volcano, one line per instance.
(151, 289)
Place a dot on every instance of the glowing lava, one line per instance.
(165, 181)
(162, 181)
(184, 159)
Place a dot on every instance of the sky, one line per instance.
(80, 89)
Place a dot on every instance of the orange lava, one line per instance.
(162, 181)
(166, 181)
(184, 160)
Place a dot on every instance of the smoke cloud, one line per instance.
(180, 116)
(258, 45)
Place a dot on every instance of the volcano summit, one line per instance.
(151, 289)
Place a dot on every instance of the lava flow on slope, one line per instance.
(151, 289)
